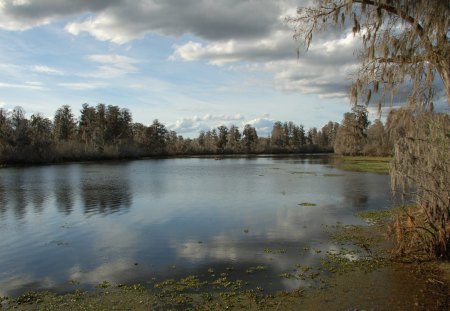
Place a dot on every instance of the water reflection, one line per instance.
(132, 222)
(18, 195)
(105, 190)
(3, 199)
(22, 189)
(65, 186)
(38, 192)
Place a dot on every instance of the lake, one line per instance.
(70, 226)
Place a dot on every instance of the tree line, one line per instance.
(108, 132)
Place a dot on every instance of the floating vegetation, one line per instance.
(192, 282)
(302, 269)
(343, 261)
(333, 175)
(134, 287)
(226, 283)
(375, 217)
(29, 298)
(274, 251)
(104, 284)
(363, 253)
(307, 204)
(308, 272)
(165, 283)
(287, 275)
(246, 230)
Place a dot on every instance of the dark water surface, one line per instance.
(76, 225)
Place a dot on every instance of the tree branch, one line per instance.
(403, 15)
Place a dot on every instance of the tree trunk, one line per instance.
(444, 72)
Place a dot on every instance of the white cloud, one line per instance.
(46, 70)
(263, 125)
(112, 59)
(196, 124)
(274, 46)
(82, 86)
(325, 70)
(22, 86)
(35, 83)
(111, 66)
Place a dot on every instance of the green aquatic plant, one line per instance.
(287, 275)
(104, 284)
(307, 204)
(30, 298)
(375, 217)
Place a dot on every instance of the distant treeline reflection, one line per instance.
(30, 191)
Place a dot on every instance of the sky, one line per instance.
(191, 64)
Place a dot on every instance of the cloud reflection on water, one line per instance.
(188, 213)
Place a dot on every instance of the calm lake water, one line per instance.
(72, 226)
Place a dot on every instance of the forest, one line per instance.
(108, 132)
